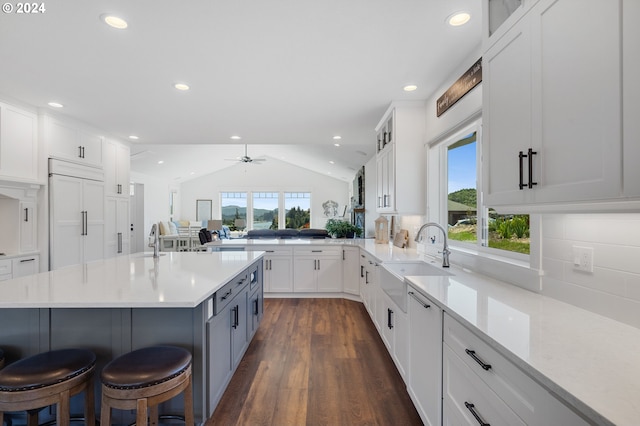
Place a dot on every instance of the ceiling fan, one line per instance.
(246, 159)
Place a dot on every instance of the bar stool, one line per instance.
(144, 378)
(48, 378)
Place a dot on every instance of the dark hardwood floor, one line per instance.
(316, 362)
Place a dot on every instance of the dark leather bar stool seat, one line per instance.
(1, 363)
(144, 378)
(49, 378)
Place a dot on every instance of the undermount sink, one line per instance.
(415, 268)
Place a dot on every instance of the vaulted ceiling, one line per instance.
(286, 76)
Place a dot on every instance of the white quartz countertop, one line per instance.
(589, 361)
(138, 280)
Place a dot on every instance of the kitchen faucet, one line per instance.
(155, 243)
(445, 249)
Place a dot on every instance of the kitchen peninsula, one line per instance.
(117, 305)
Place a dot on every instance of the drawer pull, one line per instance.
(424, 305)
(28, 260)
(473, 355)
(471, 408)
(227, 294)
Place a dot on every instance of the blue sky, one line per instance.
(462, 167)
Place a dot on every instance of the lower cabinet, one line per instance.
(425, 357)
(394, 331)
(238, 310)
(482, 386)
(351, 270)
(278, 270)
(317, 270)
(19, 267)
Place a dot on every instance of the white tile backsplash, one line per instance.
(613, 289)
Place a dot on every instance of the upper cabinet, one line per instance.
(116, 169)
(18, 144)
(400, 163)
(552, 101)
(68, 142)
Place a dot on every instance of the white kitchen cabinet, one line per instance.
(68, 142)
(424, 382)
(399, 162)
(351, 270)
(76, 204)
(116, 169)
(475, 373)
(394, 332)
(631, 96)
(551, 114)
(28, 226)
(278, 270)
(18, 144)
(117, 226)
(369, 283)
(25, 265)
(317, 269)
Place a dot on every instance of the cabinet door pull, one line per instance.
(361, 271)
(26, 214)
(318, 264)
(80, 151)
(342, 254)
(471, 408)
(86, 222)
(366, 280)
(379, 201)
(424, 305)
(521, 155)
(236, 321)
(255, 307)
(531, 153)
(473, 355)
(389, 318)
(119, 242)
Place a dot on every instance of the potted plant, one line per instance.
(341, 229)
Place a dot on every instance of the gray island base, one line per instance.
(208, 303)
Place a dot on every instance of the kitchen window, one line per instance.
(266, 210)
(471, 224)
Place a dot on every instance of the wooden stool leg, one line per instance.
(89, 404)
(153, 415)
(32, 418)
(141, 416)
(188, 404)
(63, 411)
(105, 413)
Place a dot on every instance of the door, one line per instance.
(329, 273)
(304, 274)
(278, 273)
(93, 205)
(67, 221)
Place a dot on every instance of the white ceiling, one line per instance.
(285, 75)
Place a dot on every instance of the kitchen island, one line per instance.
(116, 305)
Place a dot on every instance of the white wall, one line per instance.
(156, 199)
(272, 175)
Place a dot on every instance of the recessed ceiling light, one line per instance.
(181, 86)
(133, 137)
(55, 104)
(192, 173)
(114, 21)
(332, 162)
(410, 87)
(337, 137)
(336, 144)
(458, 18)
(236, 137)
(161, 162)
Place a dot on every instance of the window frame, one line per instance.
(476, 248)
